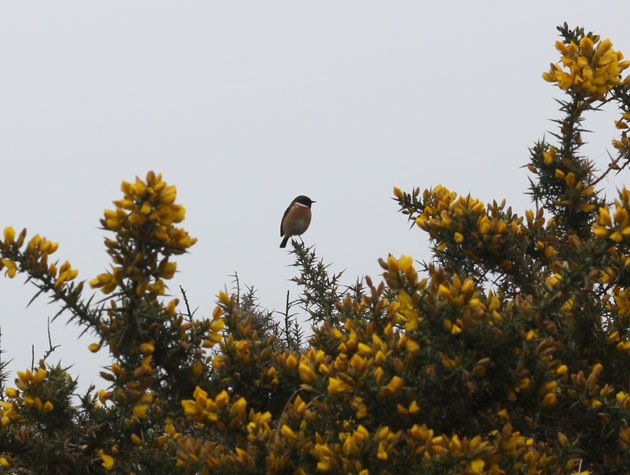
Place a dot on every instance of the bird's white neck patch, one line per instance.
(297, 203)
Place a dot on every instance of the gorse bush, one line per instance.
(508, 353)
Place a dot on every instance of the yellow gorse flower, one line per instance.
(108, 460)
(35, 257)
(615, 227)
(144, 219)
(9, 236)
(591, 68)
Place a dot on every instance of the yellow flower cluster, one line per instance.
(217, 324)
(203, 408)
(460, 294)
(593, 67)
(620, 314)
(26, 382)
(26, 378)
(146, 236)
(8, 412)
(400, 270)
(442, 205)
(620, 229)
(621, 308)
(141, 407)
(616, 230)
(464, 221)
(470, 455)
(616, 233)
(34, 258)
(9, 240)
(225, 416)
(622, 123)
(623, 143)
(548, 393)
(11, 267)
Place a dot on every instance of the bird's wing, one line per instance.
(284, 216)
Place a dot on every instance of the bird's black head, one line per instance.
(304, 200)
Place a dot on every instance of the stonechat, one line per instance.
(296, 218)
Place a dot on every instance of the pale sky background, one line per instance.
(245, 104)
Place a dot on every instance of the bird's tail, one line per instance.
(284, 241)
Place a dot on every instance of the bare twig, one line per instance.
(613, 165)
(189, 314)
(51, 348)
(238, 289)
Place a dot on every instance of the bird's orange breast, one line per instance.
(296, 221)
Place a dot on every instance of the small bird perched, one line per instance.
(296, 218)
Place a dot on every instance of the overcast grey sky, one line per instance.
(245, 104)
